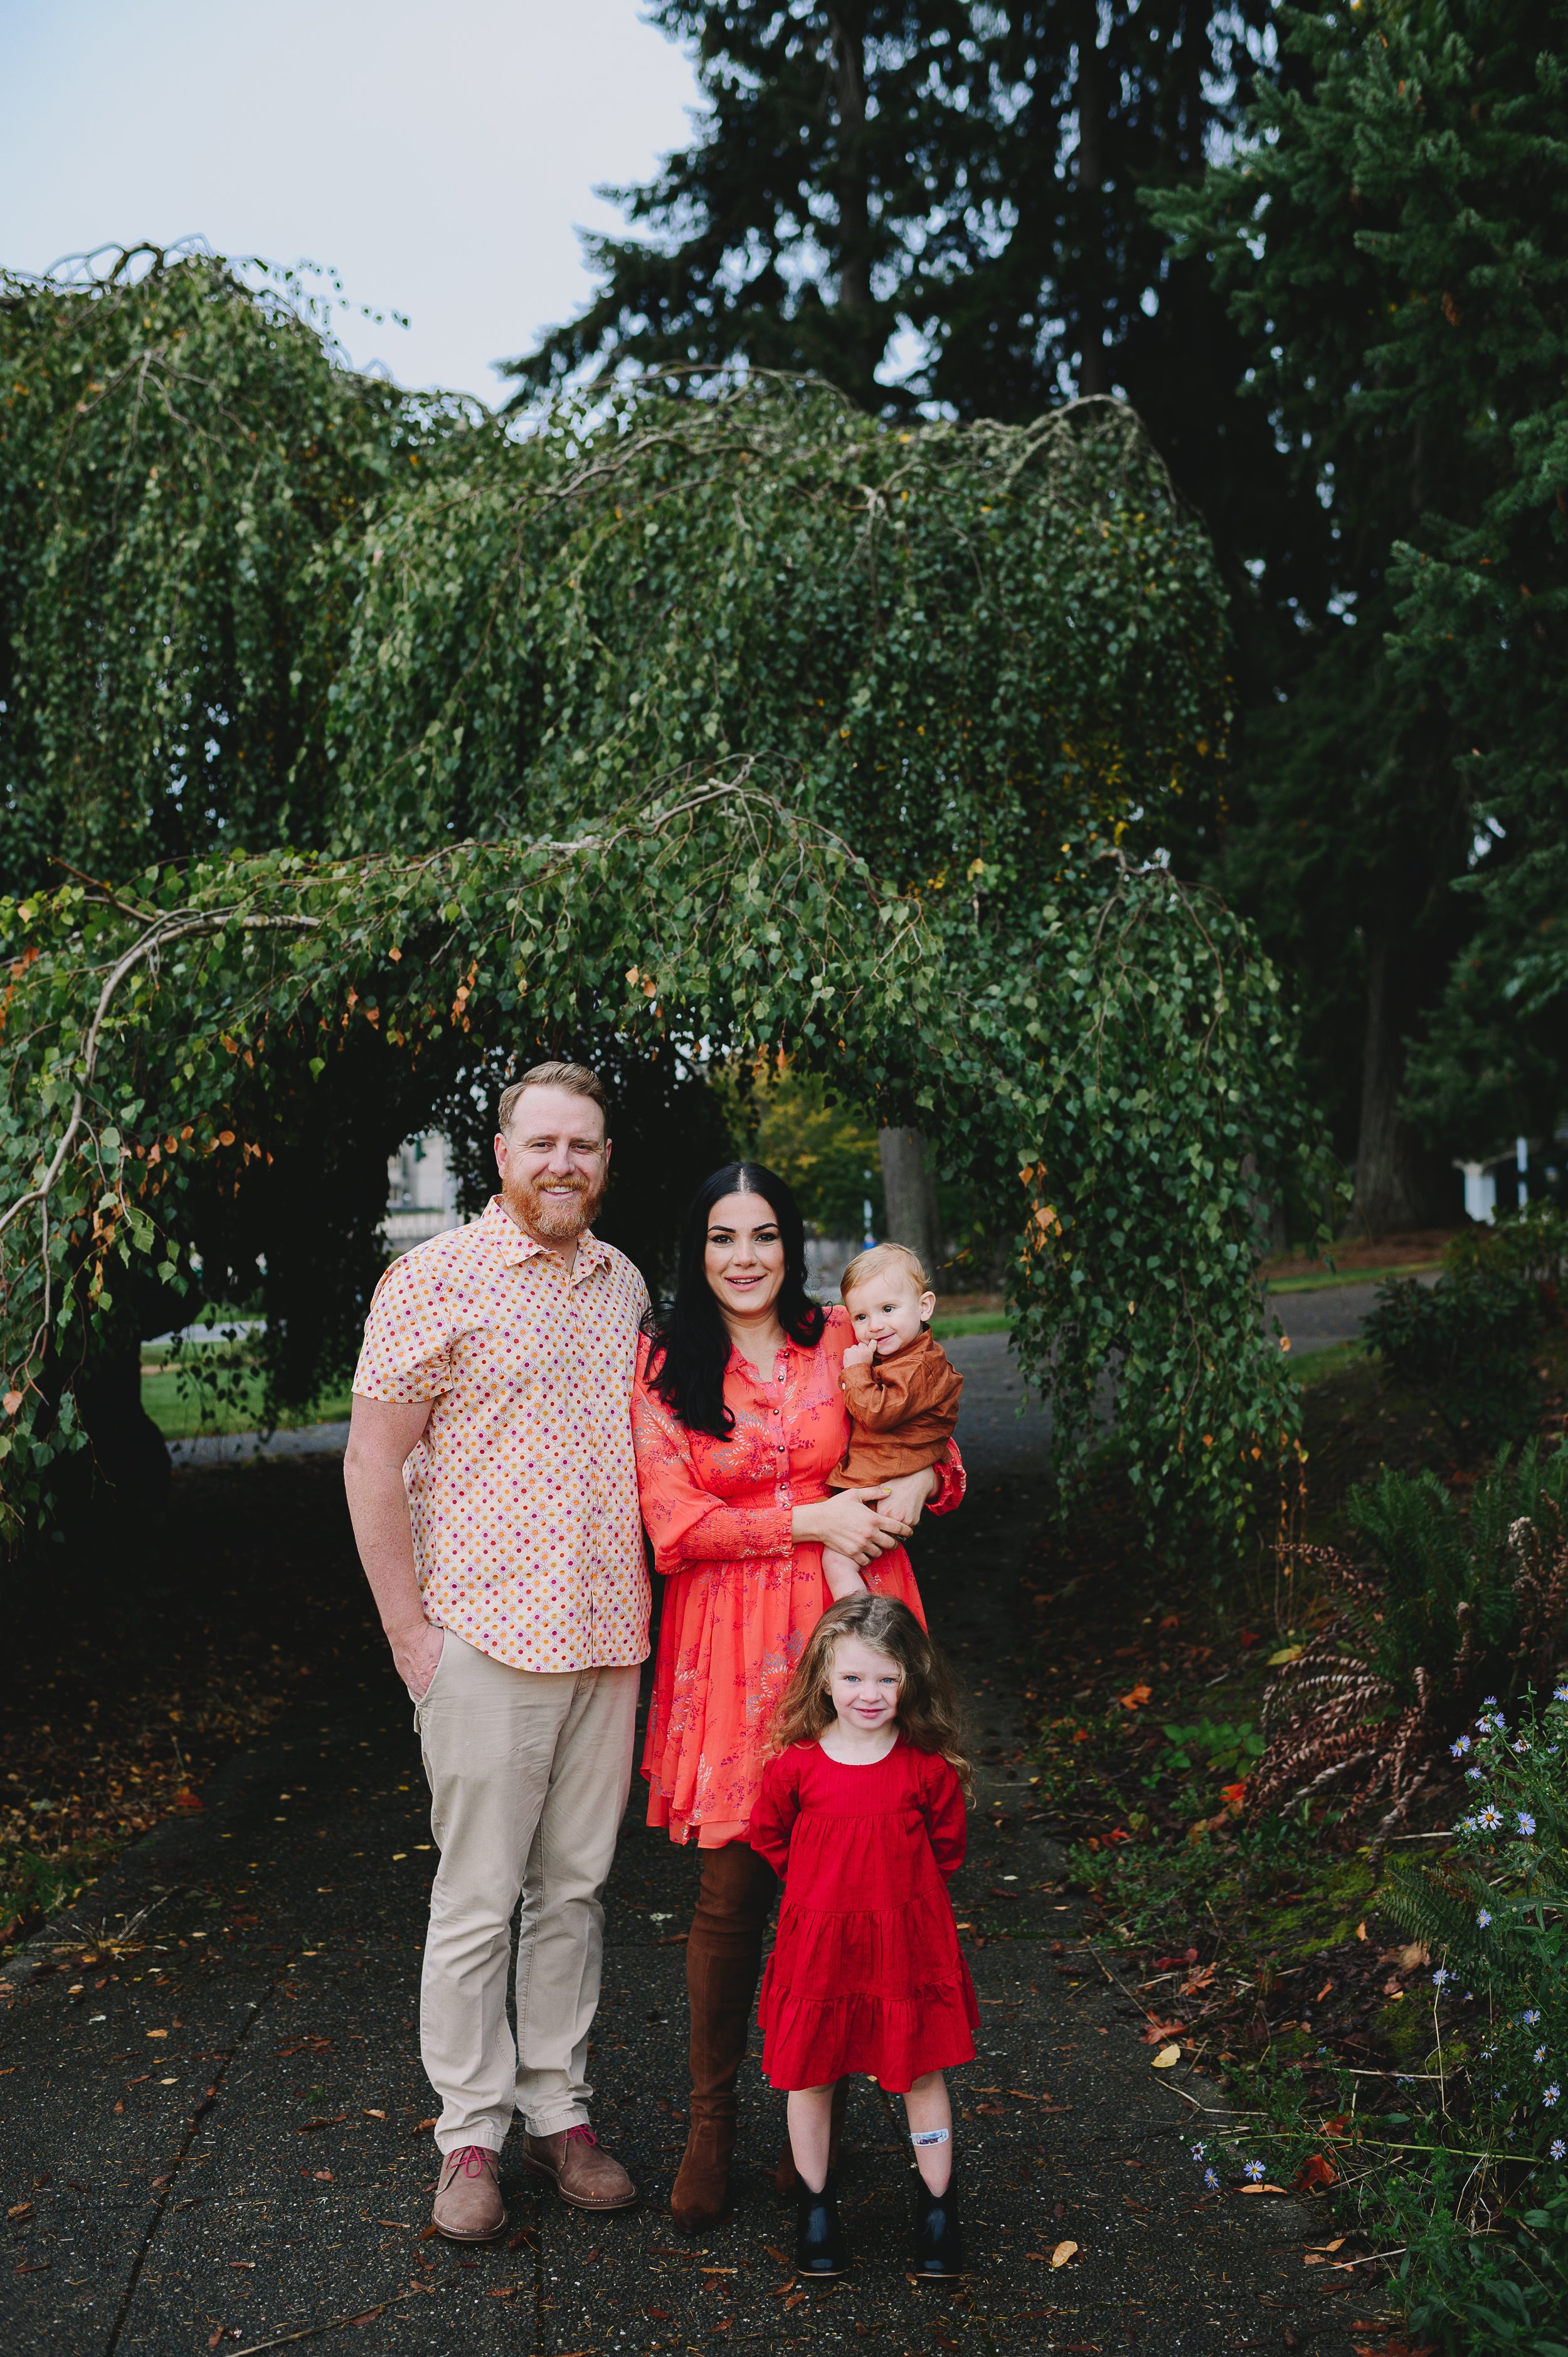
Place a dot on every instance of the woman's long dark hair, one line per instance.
(691, 1349)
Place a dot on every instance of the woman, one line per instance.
(738, 1419)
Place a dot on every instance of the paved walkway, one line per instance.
(214, 2128)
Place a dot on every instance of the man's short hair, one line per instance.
(575, 1078)
(867, 1266)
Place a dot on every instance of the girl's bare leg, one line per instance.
(811, 2115)
(926, 2106)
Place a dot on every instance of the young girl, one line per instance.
(861, 1812)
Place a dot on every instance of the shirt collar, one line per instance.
(506, 1239)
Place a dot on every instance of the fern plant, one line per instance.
(1450, 1604)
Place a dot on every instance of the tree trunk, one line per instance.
(911, 1193)
(128, 1451)
(1094, 360)
(854, 204)
(1397, 1184)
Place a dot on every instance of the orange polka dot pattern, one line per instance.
(522, 1492)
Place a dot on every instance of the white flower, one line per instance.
(1441, 1976)
(1484, 1918)
(1549, 2096)
(1526, 1822)
(1491, 1818)
(1531, 2015)
(1457, 1750)
(1559, 2149)
(1255, 2172)
(1539, 2055)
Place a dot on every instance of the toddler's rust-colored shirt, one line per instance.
(902, 1414)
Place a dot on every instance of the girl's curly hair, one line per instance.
(928, 1698)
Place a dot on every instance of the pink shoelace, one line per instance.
(472, 2158)
(582, 2133)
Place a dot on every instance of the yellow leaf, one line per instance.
(1286, 1654)
(1063, 2252)
(1167, 2059)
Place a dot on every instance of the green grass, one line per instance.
(177, 1409)
(972, 1321)
(1318, 1366)
(1333, 1277)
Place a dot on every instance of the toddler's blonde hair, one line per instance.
(867, 1267)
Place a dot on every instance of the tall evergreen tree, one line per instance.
(930, 202)
(939, 204)
(1392, 242)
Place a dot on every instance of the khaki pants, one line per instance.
(528, 1773)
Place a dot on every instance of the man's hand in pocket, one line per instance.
(418, 1657)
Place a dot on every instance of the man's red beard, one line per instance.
(557, 1217)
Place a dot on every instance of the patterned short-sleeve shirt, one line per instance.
(523, 1491)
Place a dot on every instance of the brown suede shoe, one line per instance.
(580, 2172)
(699, 2198)
(468, 2206)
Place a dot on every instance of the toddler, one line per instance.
(861, 1812)
(901, 1389)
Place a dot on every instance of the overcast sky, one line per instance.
(440, 158)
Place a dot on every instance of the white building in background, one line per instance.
(422, 1193)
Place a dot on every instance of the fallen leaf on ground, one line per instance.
(796, 2297)
(1063, 2252)
(20, 2209)
(335, 2122)
(1167, 2059)
(1315, 2174)
(1257, 2189)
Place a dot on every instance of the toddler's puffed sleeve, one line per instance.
(775, 1808)
(952, 1480)
(942, 1805)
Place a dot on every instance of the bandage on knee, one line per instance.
(930, 2135)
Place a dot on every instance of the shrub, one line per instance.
(1451, 1604)
(1466, 1342)
(1498, 1917)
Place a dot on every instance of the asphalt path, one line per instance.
(214, 2130)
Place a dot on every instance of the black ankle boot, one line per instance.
(938, 2248)
(819, 2241)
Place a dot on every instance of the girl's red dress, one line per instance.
(740, 1597)
(867, 1973)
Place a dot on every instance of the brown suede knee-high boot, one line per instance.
(724, 1957)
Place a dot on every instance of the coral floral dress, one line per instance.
(741, 1598)
(867, 1973)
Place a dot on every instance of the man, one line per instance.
(493, 1493)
